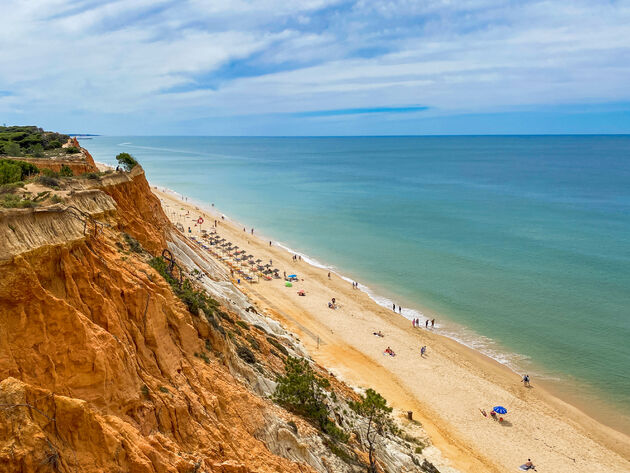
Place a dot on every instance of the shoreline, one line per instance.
(336, 355)
(593, 406)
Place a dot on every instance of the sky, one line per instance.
(316, 67)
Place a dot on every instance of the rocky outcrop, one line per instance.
(103, 368)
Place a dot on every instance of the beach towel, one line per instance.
(526, 468)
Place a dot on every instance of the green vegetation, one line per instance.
(127, 161)
(242, 324)
(253, 342)
(278, 345)
(133, 244)
(48, 181)
(377, 414)
(301, 391)
(245, 354)
(13, 170)
(164, 389)
(72, 150)
(21, 140)
(145, 391)
(193, 298)
(37, 151)
(9, 172)
(203, 356)
(66, 171)
(10, 201)
(55, 199)
(91, 175)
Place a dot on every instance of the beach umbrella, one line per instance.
(292, 276)
(499, 409)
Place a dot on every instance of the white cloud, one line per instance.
(129, 57)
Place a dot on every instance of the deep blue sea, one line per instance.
(520, 246)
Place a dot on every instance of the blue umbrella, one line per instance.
(499, 409)
(292, 276)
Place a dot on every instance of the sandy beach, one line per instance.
(445, 389)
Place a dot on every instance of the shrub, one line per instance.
(242, 324)
(9, 172)
(48, 181)
(377, 419)
(164, 389)
(12, 149)
(91, 175)
(37, 150)
(72, 150)
(55, 199)
(66, 171)
(127, 161)
(11, 201)
(133, 244)
(193, 298)
(278, 345)
(50, 173)
(53, 144)
(300, 390)
(246, 354)
(253, 342)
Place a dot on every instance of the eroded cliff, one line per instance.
(104, 368)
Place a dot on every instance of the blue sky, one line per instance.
(316, 67)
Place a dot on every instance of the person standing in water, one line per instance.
(394, 307)
(426, 323)
(432, 323)
(399, 310)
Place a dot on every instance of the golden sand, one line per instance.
(445, 390)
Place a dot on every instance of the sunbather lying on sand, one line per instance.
(389, 351)
(378, 334)
(528, 466)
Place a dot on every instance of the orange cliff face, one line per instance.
(97, 356)
(104, 369)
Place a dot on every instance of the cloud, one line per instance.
(117, 63)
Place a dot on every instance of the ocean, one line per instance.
(519, 246)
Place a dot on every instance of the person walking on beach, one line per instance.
(423, 350)
(399, 310)
(269, 242)
(426, 323)
(394, 307)
(328, 274)
(252, 231)
(526, 381)
(432, 323)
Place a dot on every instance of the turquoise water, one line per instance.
(520, 245)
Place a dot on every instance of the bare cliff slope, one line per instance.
(103, 368)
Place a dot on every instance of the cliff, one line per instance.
(104, 368)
